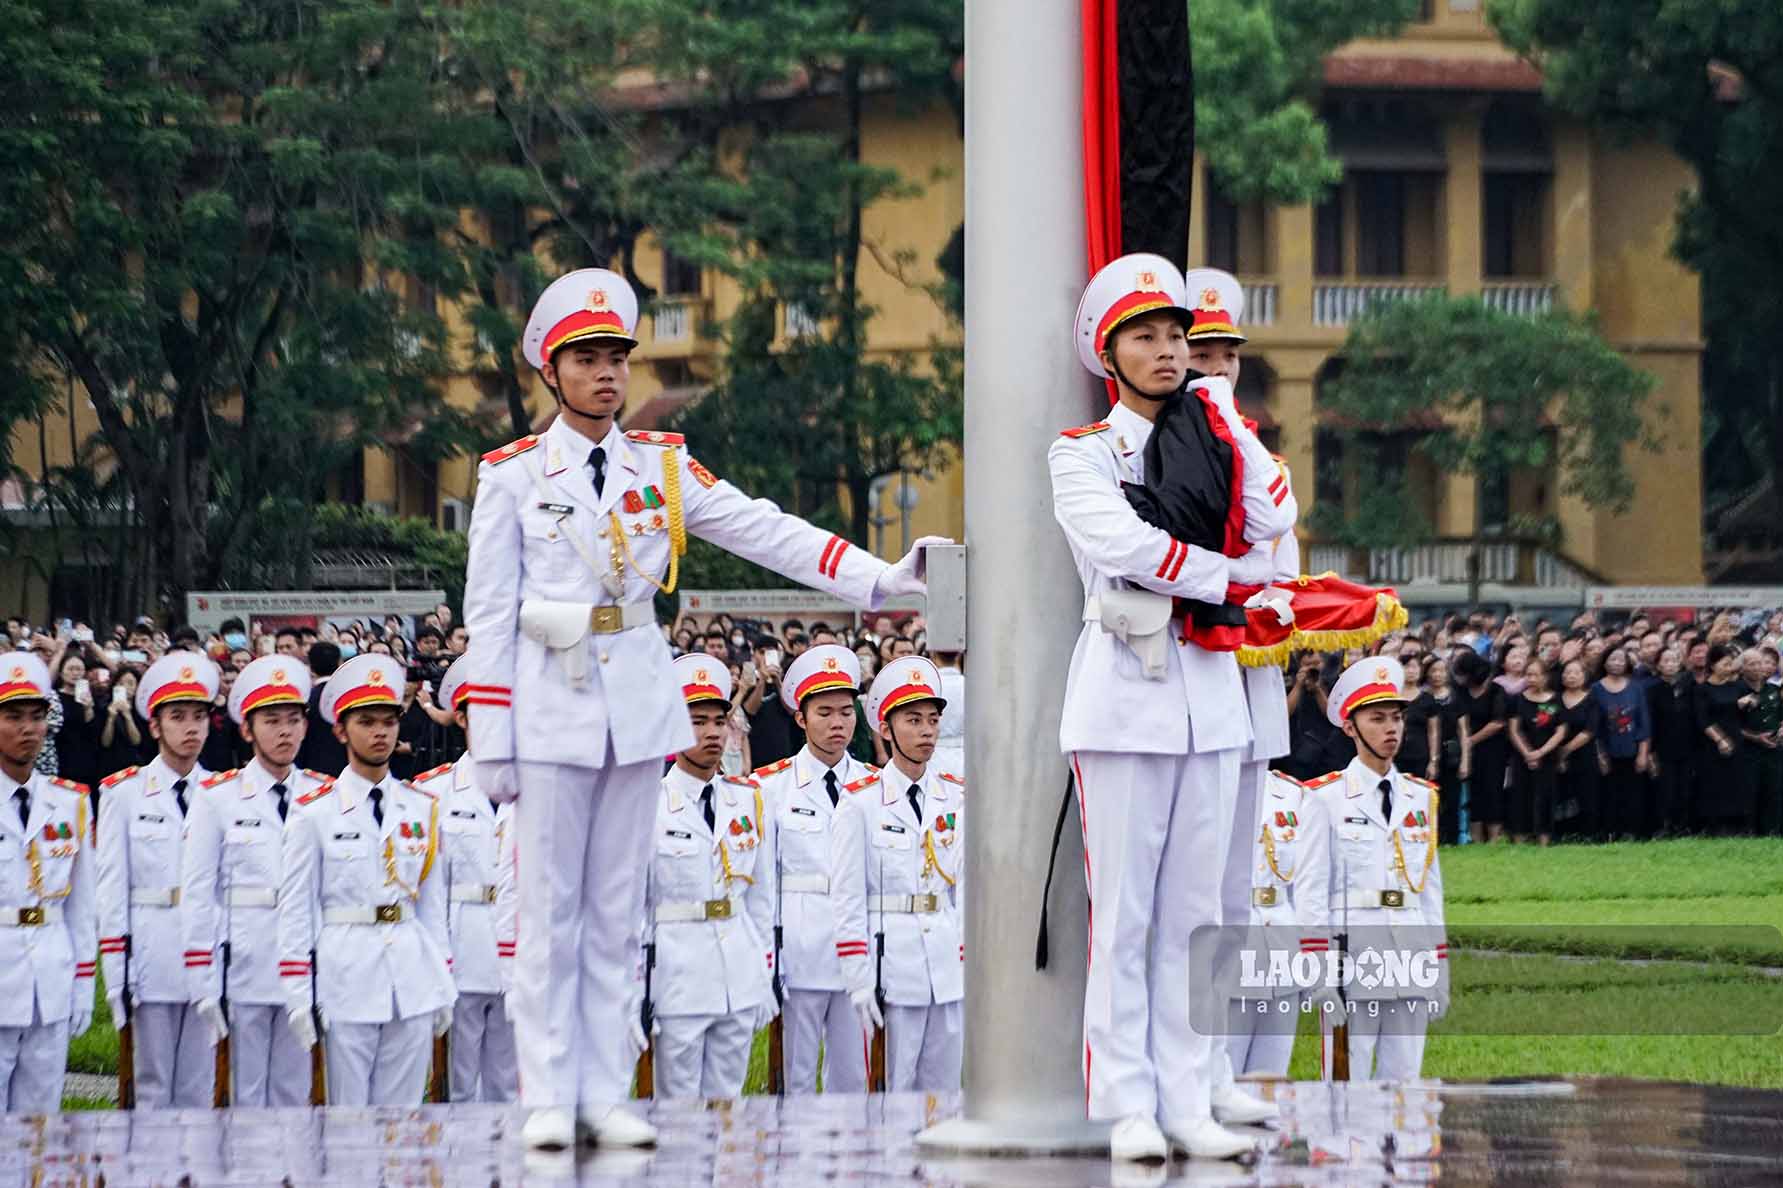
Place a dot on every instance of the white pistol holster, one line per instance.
(1138, 618)
(561, 627)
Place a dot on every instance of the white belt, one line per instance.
(694, 910)
(918, 904)
(383, 913)
(473, 893)
(157, 897)
(30, 917)
(262, 897)
(805, 884)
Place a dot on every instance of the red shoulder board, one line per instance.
(320, 777)
(59, 782)
(953, 779)
(652, 437)
(863, 782)
(1288, 779)
(705, 477)
(511, 450)
(118, 777)
(1432, 785)
(1321, 781)
(772, 768)
(316, 793)
(1084, 430)
(741, 781)
(428, 775)
(871, 768)
(222, 777)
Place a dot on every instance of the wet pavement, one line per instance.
(1587, 1132)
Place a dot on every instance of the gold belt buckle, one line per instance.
(488, 894)
(1392, 899)
(928, 902)
(389, 913)
(31, 917)
(718, 909)
(604, 620)
(1263, 896)
(173, 897)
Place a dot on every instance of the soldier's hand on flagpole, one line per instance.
(1275, 599)
(910, 574)
(499, 779)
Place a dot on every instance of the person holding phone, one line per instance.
(76, 740)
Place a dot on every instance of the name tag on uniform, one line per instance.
(889, 828)
(464, 813)
(247, 822)
(346, 837)
(557, 509)
(804, 812)
(680, 835)
(154, 820)
(1357, 821)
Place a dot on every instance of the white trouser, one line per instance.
(1235, 889)
(379, 1063)
(823, 1019)
(1154, 845)
(1386, 1044)
(923, 1047)
(482, 1050)
(268, 1067)
(1260, 1043)
(703, 1055)
(176, 1067)
(582, 838)
(33, 1061)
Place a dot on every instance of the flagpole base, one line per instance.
(1038, 1139)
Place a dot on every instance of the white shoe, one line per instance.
(614, 1127)
(1234, 1106)
(550, 1130)
(1207, 1139)
(1137, 1139)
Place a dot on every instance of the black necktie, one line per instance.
(706, 807)
(829, 783)
(597, 468)
(915, 795)
(280, 791)
(1386, 787)
(23, 797)
(179, 795)
(377, 805)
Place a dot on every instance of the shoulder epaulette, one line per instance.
(59, 782)
(1084, 430)
(222, 777)
(871, 768)
(442, 769)
(1420, 780)
(321, 776)
(652, 437)
(512, 450)
(741, 781)
(863, 782)
(118, 777)
(315, 794)
(953, 779)
(772, 768)
(1282, 775)
(1321, 781)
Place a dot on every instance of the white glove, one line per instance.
(507, 1005)
(114, 999)
(1255, 568)
(764, 1015)
(910, 574)
(1276, 599)
(499, 779)
(211, 1011)
(634, 1031)
(1219, 390)
(80, 1020)
(303, 1027)
(866, 1009)
(1329, 1005)
(442, 1021)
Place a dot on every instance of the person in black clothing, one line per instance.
(321, 751)
(1723, 797)
(1449, 749)
(1537, 732)
(773, 734)
(1577, 786)
(1671, 761)
(77, 741)
(1315, 745)
(224, 748)
(1414, 750)
(1487, 711)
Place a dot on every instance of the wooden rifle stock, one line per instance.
(646, 1071)
(221, 1079)
(876, 1061)
(126, 1042)
(777, 1058)
(318, 1062)
(437, 1087)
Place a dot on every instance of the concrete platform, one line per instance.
(1608, 1132)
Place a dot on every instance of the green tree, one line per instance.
(1484, 393)
(1707, 81)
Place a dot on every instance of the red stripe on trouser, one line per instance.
(1083, 824)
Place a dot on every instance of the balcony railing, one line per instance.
(1341, 303)
(1524, 298)
(1445, 562)
(672, 321)
(1260, 299)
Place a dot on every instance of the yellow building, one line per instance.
(1457, 177)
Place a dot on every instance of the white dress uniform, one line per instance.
(48, 927)
(142, 820)
(897, 871)
(950, 747)
(365, 897)
(231, 865)
(1380, 866)
(472, 837)
(571, 682)
(822, 1033)
(1155, 760)
(1262, 1023)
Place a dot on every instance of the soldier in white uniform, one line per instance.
(47, 923)
(1154, 720)
(142, 821)
(362, 894)
(709, 904)
(473, 835)
(1262, 1022)
(802, 792)
(897, 869)
(572, 535)
(231, 868)
(1369, 851)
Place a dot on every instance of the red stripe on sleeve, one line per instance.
(1181, 556)
(1169, 556)
(835, 561)
(829, 547)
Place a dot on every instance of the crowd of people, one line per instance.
(1578, 728)
(97, 727)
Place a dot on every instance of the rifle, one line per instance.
(1340, 1032)
(126, 1041)
(438, 1089)
(876, 1054)
(222, 1078)
(647, 1016)
(777, 1028)
(318, 1063)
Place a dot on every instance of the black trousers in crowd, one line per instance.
(1767, 788)
(1623, 796)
